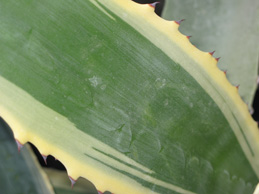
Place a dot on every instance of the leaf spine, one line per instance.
(154, 4)
(44, 158)
(19, 145)
(179, 21)
(211, 53)
(73, 181)
(217, 59)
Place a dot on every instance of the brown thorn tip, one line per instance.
(179, 21)
(251, 110)
(225, 72)
(154, 4)
(44, 158)
(217, 59)
(237, 86)
(19, 145)
(211, 53)
(99, 192)
(73, 181)
(188, 37)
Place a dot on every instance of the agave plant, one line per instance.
(123, 99)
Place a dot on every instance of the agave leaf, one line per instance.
(123, 99)
(19, 173)
(230, 28)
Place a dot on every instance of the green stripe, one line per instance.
(121, 161)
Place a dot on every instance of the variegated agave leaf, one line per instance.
(122, 98)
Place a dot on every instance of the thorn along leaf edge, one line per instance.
(19, 145)
(217, 59)
(212, 53)
(73, 181)
(179, 21)
(44, 158)
(153, 5)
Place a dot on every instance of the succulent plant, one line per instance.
(123, 99)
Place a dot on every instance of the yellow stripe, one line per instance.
(256, 189)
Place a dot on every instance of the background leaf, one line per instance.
(229, 27)
(20, 173)
(62, 185)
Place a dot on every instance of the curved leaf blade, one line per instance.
(145, 120)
